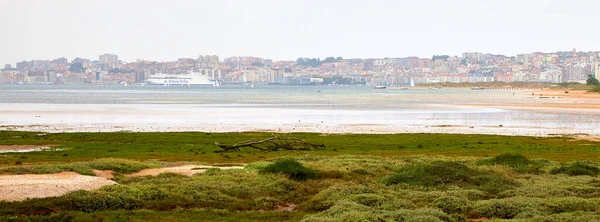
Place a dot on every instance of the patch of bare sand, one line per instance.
(579, 105)
(187, 170)
(23, 148)
(106, 174)
(22, 187)
(286, 207)
(580, 94)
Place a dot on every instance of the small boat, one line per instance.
(477, 88)
(379, 87)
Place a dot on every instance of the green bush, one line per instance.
(577, 169)
(266, 203)
(571, 204)
(568, 217)
(88, 202)
(509, 160)
(518, 162)
(497, 208)
(453, 205)
(440, 173)
(291, 168)
(371, 200)
(432, 174)
(350, 211)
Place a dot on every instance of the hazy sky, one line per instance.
(285, 30)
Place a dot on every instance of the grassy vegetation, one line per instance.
(116, 165)
(577, 169)
(408, 177)
(519, 163)
(290, 168)
(199, 147)
(149, 215)
(443, 174)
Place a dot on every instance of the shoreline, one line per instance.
(321, 128)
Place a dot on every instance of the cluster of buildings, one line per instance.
(557, 67)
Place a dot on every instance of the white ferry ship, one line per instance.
(192, 79)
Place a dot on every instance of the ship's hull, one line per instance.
(174, 83)
(183, 80)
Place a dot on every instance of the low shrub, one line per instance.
(350, 211)
(453, 205)
(371, 200)
(212, 171)
(432, 174)
(88, 202)
(333, 194)
(571, 204)
(291, 168)
(567, 217)
(577, 169)
(508, 159)
(517, 162)
(497, 208)
(266, 203)
(440, 173)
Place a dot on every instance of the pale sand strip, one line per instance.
(187, 170)
(22, 187)
(318, 128)
(23, 148)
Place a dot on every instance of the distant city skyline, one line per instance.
(115, 58)
(284, 30)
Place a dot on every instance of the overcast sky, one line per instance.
(285, 30)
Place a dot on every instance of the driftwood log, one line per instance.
(272, 144)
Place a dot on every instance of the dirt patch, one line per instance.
(22, 187)
(106, 174)
(289, 207)
(23, 148)
(188, 170)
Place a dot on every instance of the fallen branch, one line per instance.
(271, 144)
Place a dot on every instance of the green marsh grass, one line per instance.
(290, 168)
(577, 169)
(404, 177)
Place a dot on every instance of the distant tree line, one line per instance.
(316, 62)
(592, 81)
(442, 57)
(77, 67)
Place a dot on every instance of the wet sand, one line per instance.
(546, 113)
